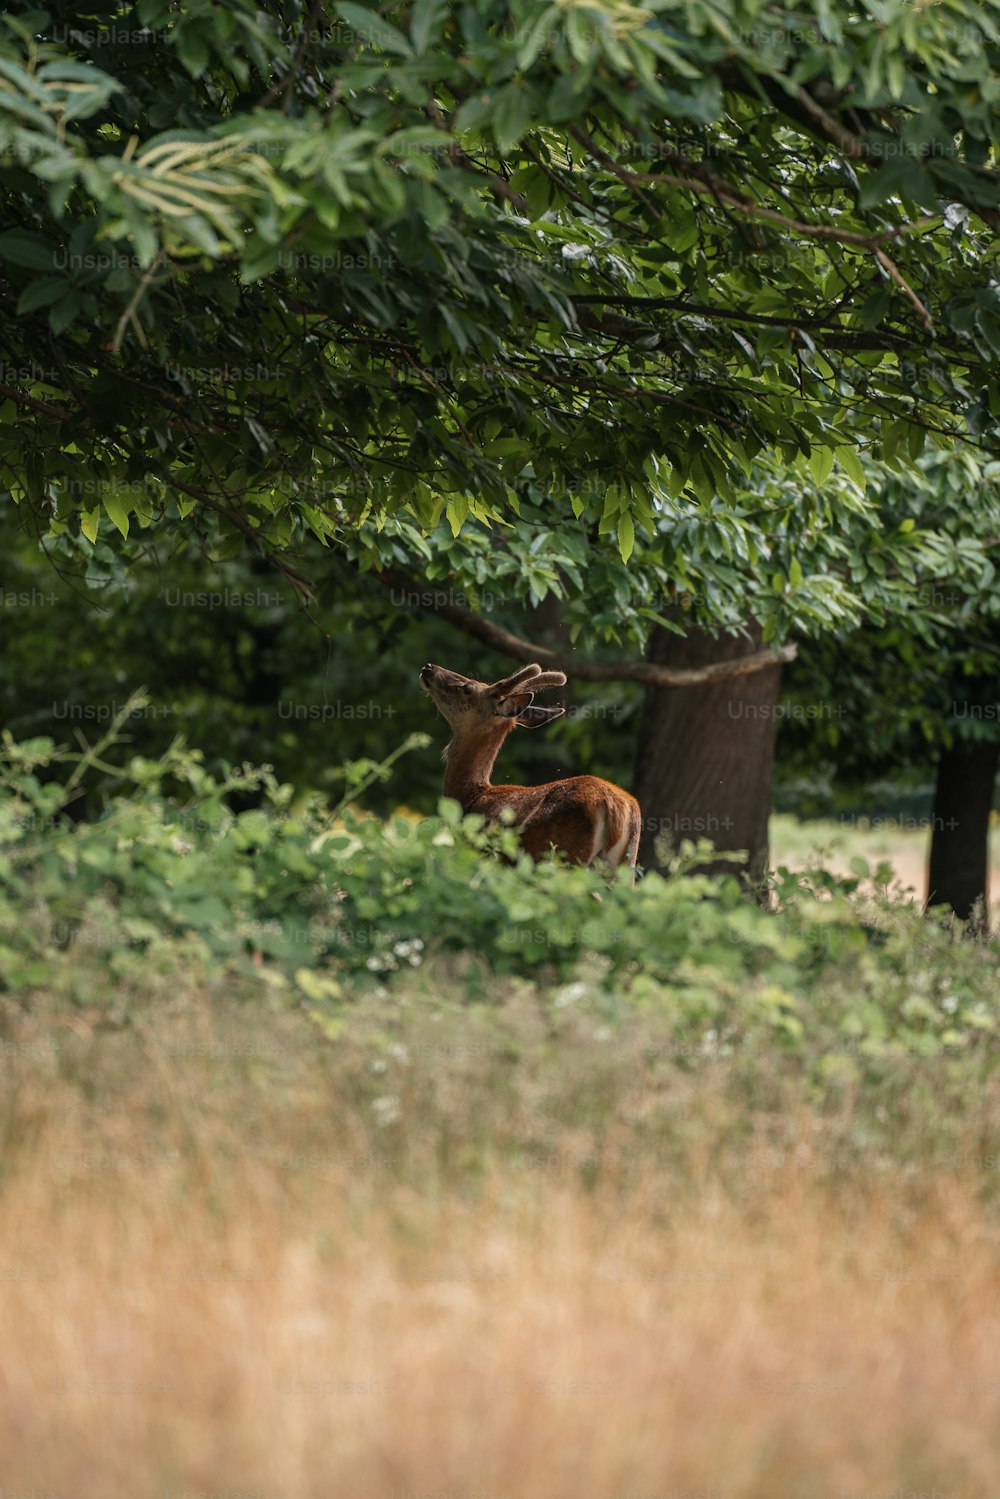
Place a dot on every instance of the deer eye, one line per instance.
(467, 688)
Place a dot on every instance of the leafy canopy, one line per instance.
(277, 272)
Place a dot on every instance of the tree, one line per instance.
(917, 687)
(272, 275)
(822, 561)
(307, 269)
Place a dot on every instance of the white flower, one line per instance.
(381, 963)
(410, 949)
(386, 1109)
(570, 994)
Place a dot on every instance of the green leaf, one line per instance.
(374, 29)
(89, 521)
(41, 293)
(902, 176)
(626, 536)
(536, 38)
(62, 313)
(22, 247)
(457, 511)
(117, 509)
(896, 74)
(426, 14)
(580, 34)
(511, 113)
(192, 49)
(567, 92)
(821, 464)
(851, 464)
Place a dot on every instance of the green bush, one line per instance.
(337, 907)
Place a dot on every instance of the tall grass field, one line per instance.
(339, 1157)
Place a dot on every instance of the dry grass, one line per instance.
(527, 1343)
(206, 1287)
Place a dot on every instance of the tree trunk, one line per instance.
(549, 762)
(705, 754)
(959, 874)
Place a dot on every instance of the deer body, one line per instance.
(586, 818)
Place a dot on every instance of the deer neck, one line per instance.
(469, 761)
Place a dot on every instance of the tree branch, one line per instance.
(21, 397)
(731, 198)
(824, 124)
(897, 276)
(832, 337)
(519, 649)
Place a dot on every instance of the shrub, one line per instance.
(340, 906)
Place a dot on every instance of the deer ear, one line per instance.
(533, 718)
(515, 704)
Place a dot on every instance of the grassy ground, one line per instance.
(903, 843)
(482, 1252)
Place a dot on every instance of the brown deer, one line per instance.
(584, 817)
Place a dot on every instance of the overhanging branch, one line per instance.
(519, 649)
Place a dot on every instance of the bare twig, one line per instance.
(129, 315)
(893, 269)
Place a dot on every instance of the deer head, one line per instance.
(471, 706)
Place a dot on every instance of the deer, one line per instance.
(584, 817)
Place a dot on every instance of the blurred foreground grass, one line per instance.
(507, 1249)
